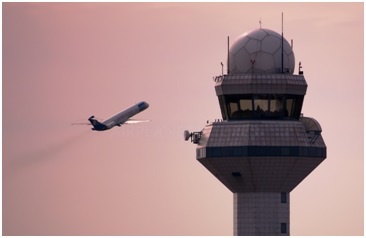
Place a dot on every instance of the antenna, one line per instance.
(260, 23)
(195, 136)
(253, 62)
(228, 54)
(282, 47)
(300, 67)
(222, 68)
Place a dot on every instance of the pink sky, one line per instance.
(63, 62)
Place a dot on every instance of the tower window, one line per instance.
(260, 106)
(283, 228)
(283, 197)
(236, 174)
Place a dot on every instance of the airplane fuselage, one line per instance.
(118, 119)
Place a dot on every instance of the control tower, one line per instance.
(263, 147)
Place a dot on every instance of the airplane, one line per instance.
(119, 119)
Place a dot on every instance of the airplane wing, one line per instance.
(134, 121)
(80, 123)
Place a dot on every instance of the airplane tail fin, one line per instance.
(96, 124)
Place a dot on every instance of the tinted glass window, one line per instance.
(272, 106)
(283, 228)
(283, 197)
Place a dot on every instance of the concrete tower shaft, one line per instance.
(261, 214)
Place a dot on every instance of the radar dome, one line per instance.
(259, 51)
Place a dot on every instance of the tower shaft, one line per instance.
(261, 214)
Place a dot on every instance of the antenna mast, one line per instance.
(260, 23)
(228, 55)
(282, 47)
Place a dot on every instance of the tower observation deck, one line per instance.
(263, 148)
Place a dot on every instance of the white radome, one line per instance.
(259, 51)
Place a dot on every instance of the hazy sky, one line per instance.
(63, 62)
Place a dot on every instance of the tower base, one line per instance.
(261, 214)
